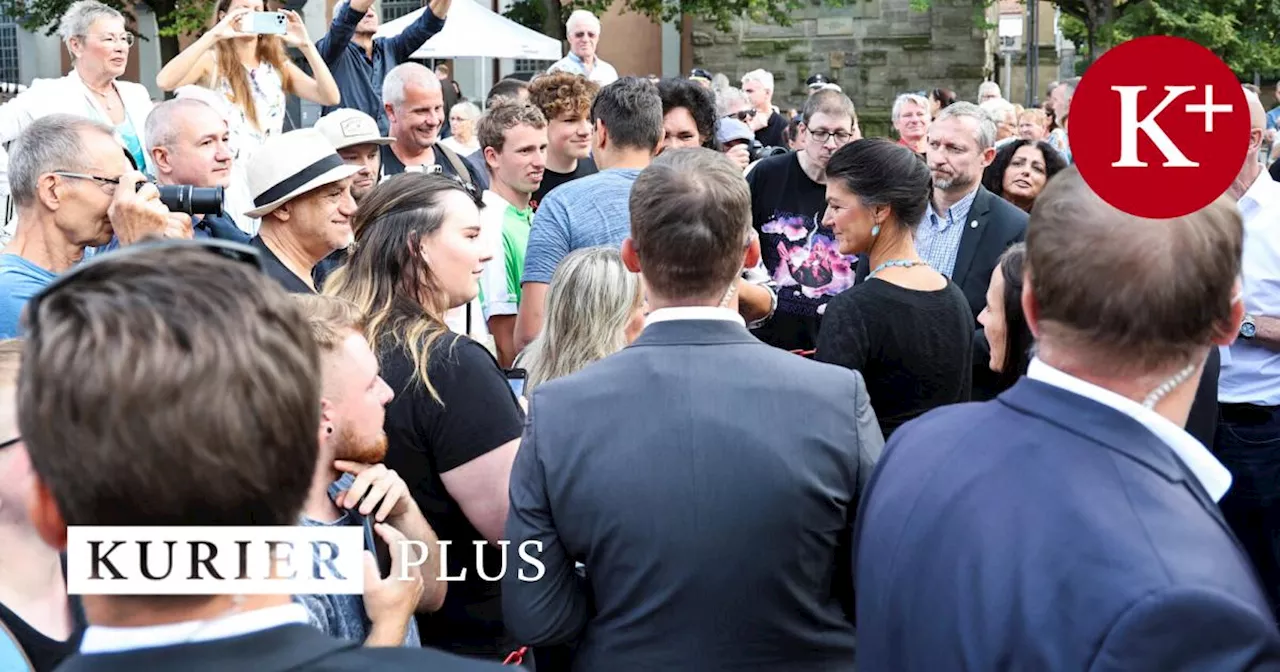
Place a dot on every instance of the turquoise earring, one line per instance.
(875, 230)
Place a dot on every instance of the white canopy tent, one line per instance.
(474, 31)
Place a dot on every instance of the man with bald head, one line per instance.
(188, 143)
(414, 102)
(1248, 437)
(1079, 519)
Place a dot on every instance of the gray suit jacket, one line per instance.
(709, 484)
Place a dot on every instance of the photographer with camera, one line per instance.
(74, 188)
(188, 142)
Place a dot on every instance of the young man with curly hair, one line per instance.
(565, 101)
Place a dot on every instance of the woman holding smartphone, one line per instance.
(246, 75)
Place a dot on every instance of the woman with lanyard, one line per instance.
(99, 44)
(247, 76)
(907, 328)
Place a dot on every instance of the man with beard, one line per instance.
(352, 487)
(360, 62)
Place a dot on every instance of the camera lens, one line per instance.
(191, 200)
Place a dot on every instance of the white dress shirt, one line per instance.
(1214, 477)
(693, 313)
(103, 639)
(1250, 372)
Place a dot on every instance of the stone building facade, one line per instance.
(874, 49)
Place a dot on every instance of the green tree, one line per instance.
(1243, 33)
(173, 17)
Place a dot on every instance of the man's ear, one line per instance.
(1030, 307)
(160, 157)
(752, 256)
(630, 257)
(45, 516)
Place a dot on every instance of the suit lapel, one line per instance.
(972, 236)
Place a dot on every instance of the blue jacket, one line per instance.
(360, 78)
(1043, 530)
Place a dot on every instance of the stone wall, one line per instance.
(874, 49)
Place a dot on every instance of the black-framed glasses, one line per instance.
(11, 442)
(238, 252)
(822, 136)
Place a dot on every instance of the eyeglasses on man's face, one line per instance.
(584, 33)
(823, 135)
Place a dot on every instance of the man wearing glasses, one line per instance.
(788, 195)
(583, 30)
(74, 188)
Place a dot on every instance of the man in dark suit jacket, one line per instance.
(714, 529)
(175, 439)
(1071, 523)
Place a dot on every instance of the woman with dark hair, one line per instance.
(688, 114)
(1020, 171)
(940, 99)
(454, 424)
(1004, 323)
(907, 328)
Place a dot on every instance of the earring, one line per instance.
(875, 230)
(328, 430)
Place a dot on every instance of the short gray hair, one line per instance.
(726, 97)
(81, 16)
(986, 134)
(582, 16)
(468, 110)
(160, 129)
(401, 76)
(988, 86)
(905, 98)
(53, 142)
(762, 76)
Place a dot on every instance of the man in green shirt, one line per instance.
(513, 138)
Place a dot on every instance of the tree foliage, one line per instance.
(173, 17)
(1243, 33)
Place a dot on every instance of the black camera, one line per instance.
(759, 151)
(190, 200)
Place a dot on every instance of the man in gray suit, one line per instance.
(707, 481)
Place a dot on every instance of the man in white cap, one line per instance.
(358, 141)
(302, 192)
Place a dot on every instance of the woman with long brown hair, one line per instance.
(454, 425)
(247, 77)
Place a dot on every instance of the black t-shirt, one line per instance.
(392, 165)
(914, 348)
(800, 254)
(771, 134)
(278, 271)
(425, 439)
(45, 653)
(551, 179)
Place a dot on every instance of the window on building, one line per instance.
(530, 65)
(394, 9)
(9, 52)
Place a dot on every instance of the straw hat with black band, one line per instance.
(291, 164)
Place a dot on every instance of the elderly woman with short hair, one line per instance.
(462, 123)
(99, 43)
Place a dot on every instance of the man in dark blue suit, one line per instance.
(1071, 523)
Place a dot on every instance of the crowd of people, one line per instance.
(768, 393)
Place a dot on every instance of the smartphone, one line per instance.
(264, 23)
(372, 542)
(515, 378)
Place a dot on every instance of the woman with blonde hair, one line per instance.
(595, 308)
(462, 123)
(454, 425)
(247, 77)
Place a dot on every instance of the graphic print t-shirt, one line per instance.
(800, 254)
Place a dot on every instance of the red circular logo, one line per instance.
(1159, 127)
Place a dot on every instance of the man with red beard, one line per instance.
(352, 487)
